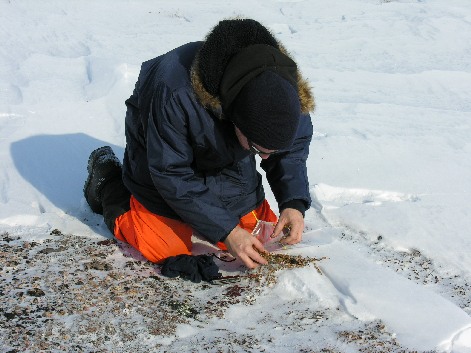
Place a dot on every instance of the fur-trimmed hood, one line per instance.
(225, 40)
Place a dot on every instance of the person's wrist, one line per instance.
(295, 204)
(226, 238)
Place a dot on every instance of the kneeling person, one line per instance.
(197, 118)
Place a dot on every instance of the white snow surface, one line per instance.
(389, 164)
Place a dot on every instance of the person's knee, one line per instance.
(158, 250)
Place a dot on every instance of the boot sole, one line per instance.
(95, 205)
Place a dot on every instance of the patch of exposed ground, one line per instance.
(77, 294)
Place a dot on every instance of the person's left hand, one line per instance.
(292, 219)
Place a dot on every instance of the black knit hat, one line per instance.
(223, 42)
(267, 111)
(243, 67)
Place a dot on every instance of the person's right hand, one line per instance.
(244, 245)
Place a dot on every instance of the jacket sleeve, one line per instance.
(170, 156)
(286, 172)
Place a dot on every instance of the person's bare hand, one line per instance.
(245, 246)
(292, 219)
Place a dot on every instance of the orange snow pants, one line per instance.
(157, 237)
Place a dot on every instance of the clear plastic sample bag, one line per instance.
(263, 231)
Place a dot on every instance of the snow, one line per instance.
(390, 162)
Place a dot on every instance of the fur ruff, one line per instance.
(213, 102)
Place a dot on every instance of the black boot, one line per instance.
(104, 189)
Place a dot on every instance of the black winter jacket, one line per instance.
(184, 162)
